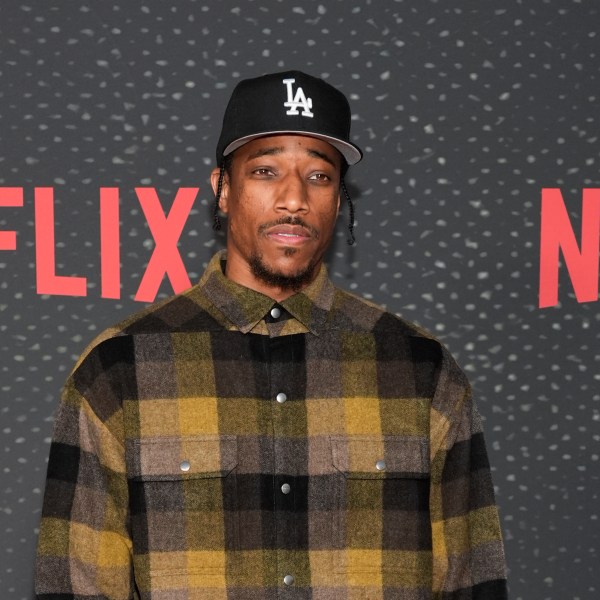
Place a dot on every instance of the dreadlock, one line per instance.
(351, 239)
(225, 168)
(216, 220)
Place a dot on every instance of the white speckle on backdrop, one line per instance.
(464, 110)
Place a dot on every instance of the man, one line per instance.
(264, 434)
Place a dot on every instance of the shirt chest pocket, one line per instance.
(183, 503)
(183, 458)
(382, 504)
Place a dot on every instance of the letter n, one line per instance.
(557, 234)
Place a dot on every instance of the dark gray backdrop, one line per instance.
(465, 110)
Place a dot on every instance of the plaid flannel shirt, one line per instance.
(206, 449)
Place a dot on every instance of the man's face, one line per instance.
(282, 200)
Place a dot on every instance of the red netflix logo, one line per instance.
(557, 234)
(166, 231)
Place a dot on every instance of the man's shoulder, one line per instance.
(365, 314)
(187, 311)
(354, 313)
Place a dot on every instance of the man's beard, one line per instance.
(294, 282)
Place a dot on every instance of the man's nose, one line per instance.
(293, 195)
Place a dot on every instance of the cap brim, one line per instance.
(351, 153)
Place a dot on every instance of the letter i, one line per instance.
(110, 252)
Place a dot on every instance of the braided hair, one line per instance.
(350, 240)
(216, 220)
(225, 168)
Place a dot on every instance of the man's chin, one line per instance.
(284, 279)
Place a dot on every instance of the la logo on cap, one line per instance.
(294, 102)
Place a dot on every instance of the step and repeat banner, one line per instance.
(477, 216)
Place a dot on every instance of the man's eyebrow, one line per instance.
(321, 155)
(265, 152)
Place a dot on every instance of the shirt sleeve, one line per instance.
(468, 554)
(84, 547)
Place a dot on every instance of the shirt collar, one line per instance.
(245, 308)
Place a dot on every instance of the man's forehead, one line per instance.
(280, 144)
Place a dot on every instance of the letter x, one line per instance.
(166, 232)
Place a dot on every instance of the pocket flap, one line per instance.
(193, 457)
(385, 457)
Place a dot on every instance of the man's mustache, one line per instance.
(298, 221)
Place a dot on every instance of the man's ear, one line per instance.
(214, 182)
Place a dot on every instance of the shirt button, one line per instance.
(288, 579)
(286, 488)
(380, 465)
(281, 397)
(275, 312)
(184, 466)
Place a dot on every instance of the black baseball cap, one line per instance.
(287, 102)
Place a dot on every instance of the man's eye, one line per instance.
(320, 177)
(262, 171)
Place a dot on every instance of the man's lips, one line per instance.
(289, 234)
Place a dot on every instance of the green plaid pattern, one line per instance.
(206, 450)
